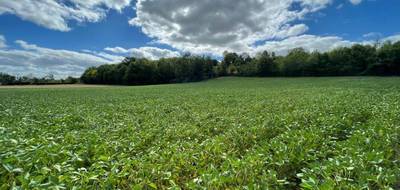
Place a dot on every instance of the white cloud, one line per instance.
(308, 42)
(291, 31)
(41, 61)
(376, 35)
(212, 26)
(355, 2)
(55, 14)
(153, 53)
(30, 58)
(2, 42)
(394, 38)
(113, 4)
(53, 56)
(314, 43)
(118, 50)
(113, 58)
(340, 6)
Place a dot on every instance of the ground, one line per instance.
(254, 133)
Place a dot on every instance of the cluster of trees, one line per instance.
(378, 60)
(134, 71)
(357, 60)
(6, 79)
(381, 60)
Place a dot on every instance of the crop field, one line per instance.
(226, 133)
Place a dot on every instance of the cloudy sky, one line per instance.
(63, 37)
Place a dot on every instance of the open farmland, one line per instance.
(254, 133)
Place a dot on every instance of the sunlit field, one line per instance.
(225, 133)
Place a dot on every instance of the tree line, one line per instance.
(138, 71)
(358, 60)
(7, 79)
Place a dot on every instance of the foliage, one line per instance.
(383, 60)
(228, 133)
(133, 71)
(6, 79)
(388, 63)
(357, 60)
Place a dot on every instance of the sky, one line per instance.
(64, 37)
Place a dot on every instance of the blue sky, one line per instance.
(65, 37)
(113, 30)
(352, 22)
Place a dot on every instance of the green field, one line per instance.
(227, 133)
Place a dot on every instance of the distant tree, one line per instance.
(317, 64)
(90, 76)
(362, 56)
(388, 60)
(139, 71)
(165, 71)
(6, 79)
(249, 69)
(209, 65)
(71, 80)
(342, 61)
(294, 63)
(230, 63)
(266, 64)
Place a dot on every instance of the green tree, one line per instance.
(6, 79)
(294, 63)
(266, 64)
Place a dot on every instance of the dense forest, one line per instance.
(133, 71)
(378, 60)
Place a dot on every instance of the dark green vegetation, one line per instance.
(134, 71)
(276, 133)
(6, 79)
(358, 60)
